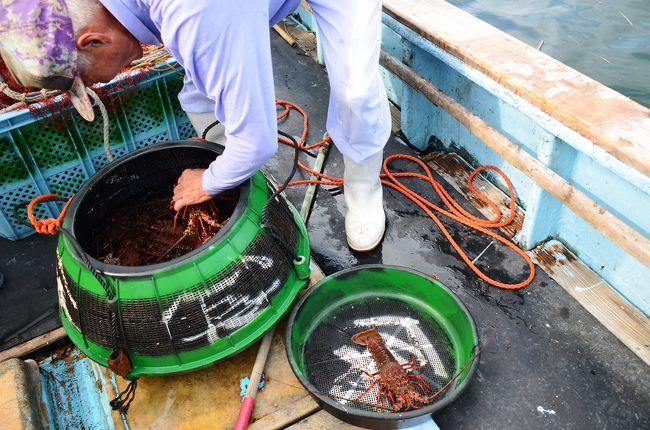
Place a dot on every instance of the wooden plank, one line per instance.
(32, 345)
(284, 35)
(620, 317)
(279, 419)
(204, 399)
(456, 171)
(209, 399)
(396, 118)
(322, 420)
(20, 396)
(619, 125)
(306, 40)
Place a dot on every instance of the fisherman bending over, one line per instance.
(225, 49)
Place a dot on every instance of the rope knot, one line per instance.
(47, 226)
(50, 225)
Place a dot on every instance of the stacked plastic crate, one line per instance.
(39, 156)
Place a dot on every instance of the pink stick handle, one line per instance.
(245, 413)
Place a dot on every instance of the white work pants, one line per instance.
(358, 117)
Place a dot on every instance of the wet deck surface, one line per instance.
(548, 364)
(28, 301)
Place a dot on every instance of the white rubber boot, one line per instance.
(201, 121)
(365, 220)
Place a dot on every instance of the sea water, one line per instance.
(608, 40)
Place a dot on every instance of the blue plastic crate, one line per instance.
(37, 156)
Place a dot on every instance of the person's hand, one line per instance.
(189, 189)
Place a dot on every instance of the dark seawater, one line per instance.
(608, 40)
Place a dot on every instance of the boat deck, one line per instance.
(546, 364)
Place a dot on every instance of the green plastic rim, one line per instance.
(359, 284)
(185, 273)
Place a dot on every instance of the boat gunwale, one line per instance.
(620, 125)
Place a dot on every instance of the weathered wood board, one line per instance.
(287, 415)
(620, 317)
(32, 345)
(456, 171)
(322, 420)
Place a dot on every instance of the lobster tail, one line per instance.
(364, 337)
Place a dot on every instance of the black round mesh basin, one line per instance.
(196, 308)
(423, 325)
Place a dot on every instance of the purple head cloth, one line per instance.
(38, 46)
(37, 43)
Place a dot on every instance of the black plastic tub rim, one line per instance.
(70, 221)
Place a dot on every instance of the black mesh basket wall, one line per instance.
(193, 310)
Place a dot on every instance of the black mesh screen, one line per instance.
(144, 175)
(336, 365)
(278, 217)
(199, 314)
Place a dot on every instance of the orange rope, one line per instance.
(454, 210)
(49, 225)
(390, 179)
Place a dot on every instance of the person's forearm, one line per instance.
(226, 51)
(238, 163)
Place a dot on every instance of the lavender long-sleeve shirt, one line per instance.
(224, 47)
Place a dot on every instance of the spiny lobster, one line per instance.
(402, 389)
(151, 232)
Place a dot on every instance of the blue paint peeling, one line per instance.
(74, 394)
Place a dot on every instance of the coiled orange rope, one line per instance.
(454, 210)
(49, 225)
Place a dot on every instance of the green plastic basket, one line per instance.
(41, 156)
(196, 309)
(418, 318)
